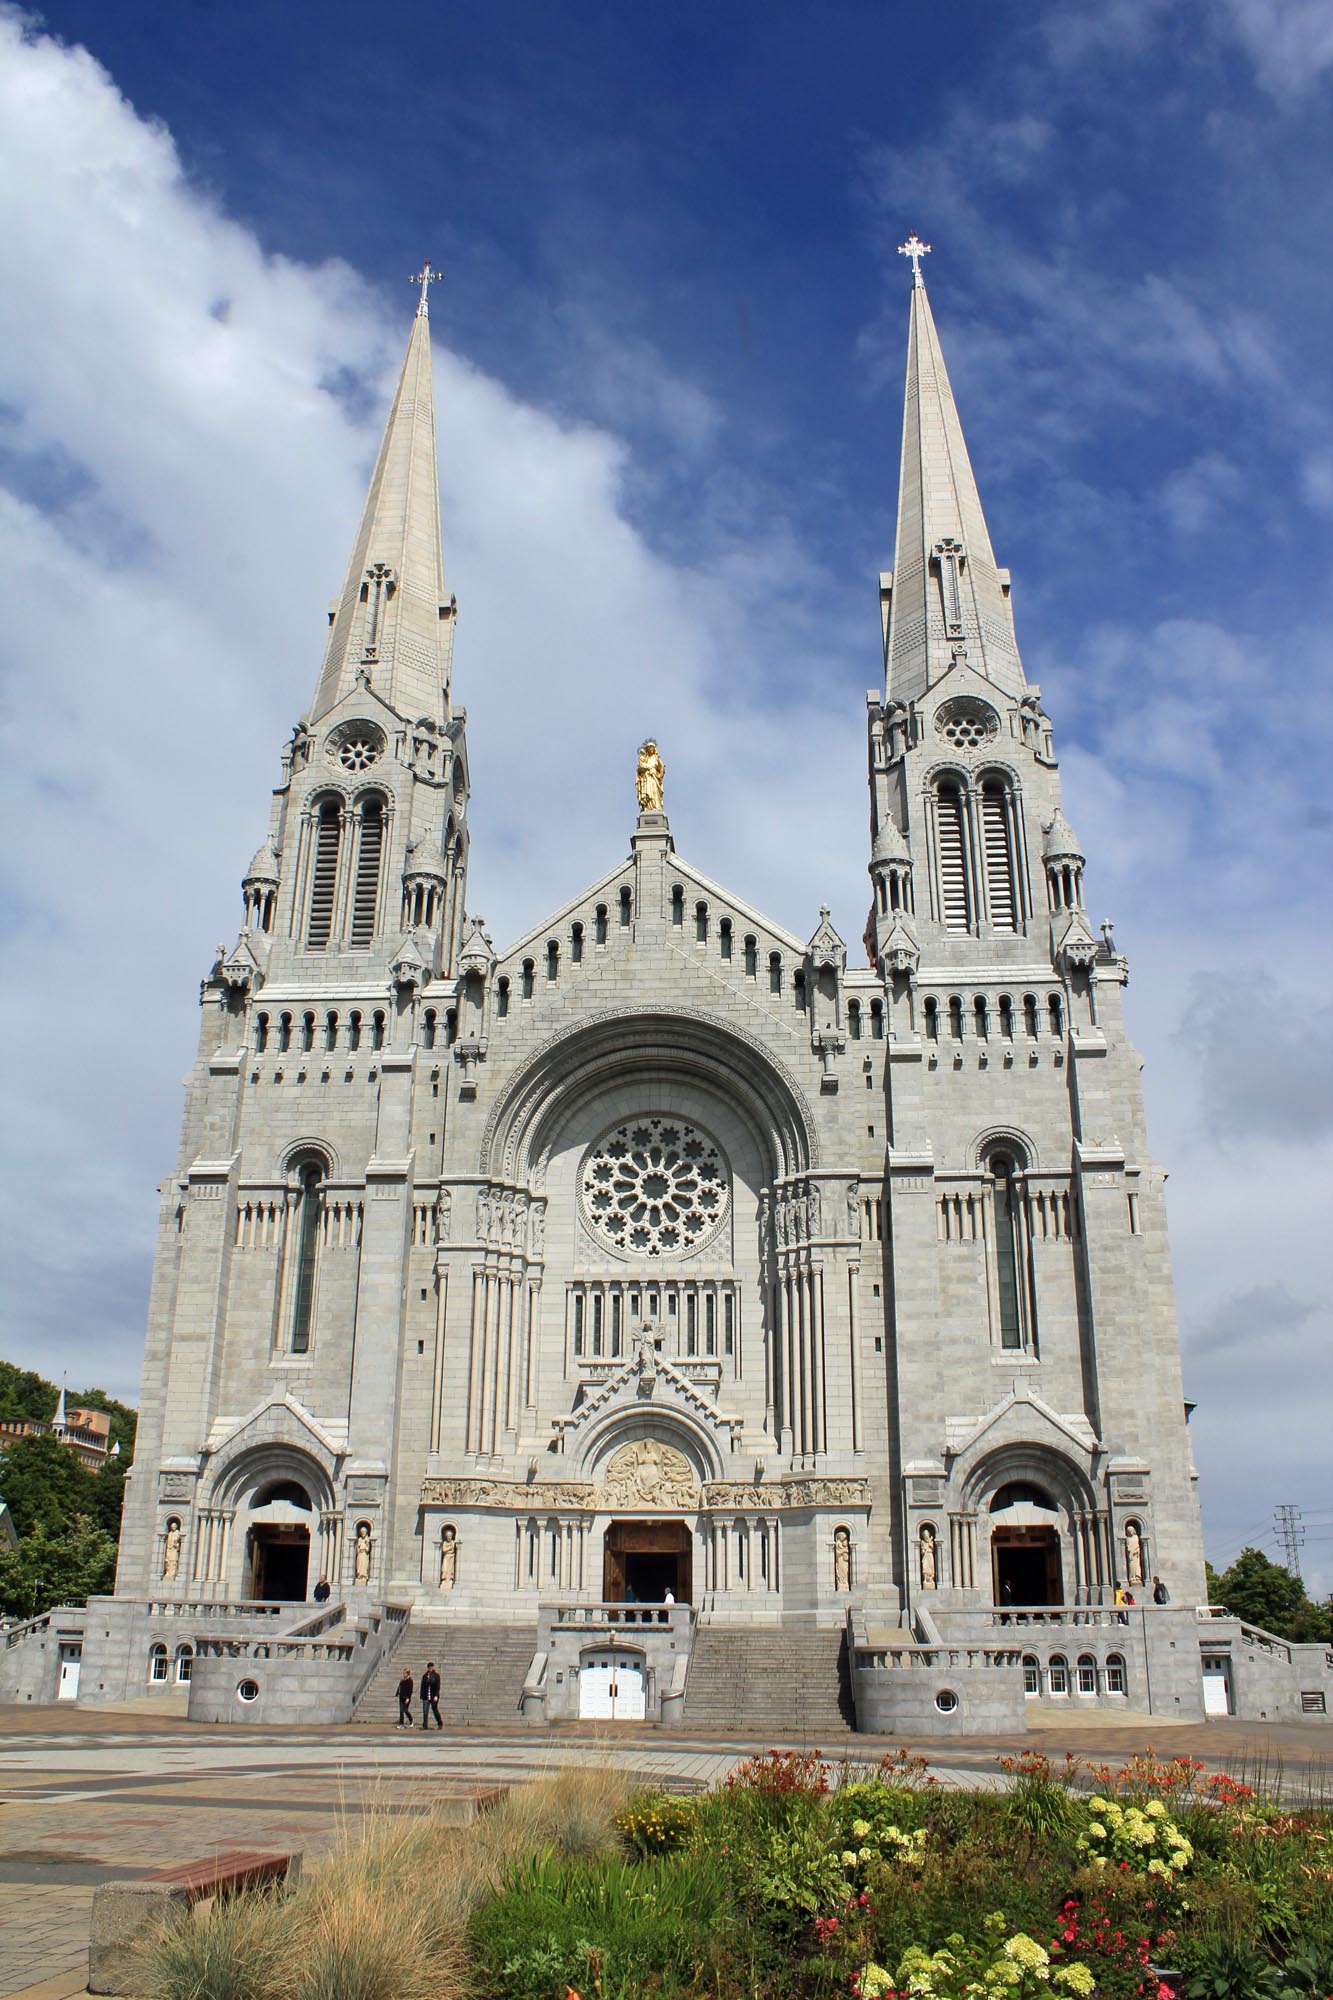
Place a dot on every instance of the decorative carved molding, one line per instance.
(645, 1474)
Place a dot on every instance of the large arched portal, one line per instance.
(278, 1543)
(647, 1562)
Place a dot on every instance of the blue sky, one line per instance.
(669, 353)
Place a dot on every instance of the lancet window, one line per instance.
(366, 889)
(977, 874)
(304, 1253)
(1013, 1313)
(324, 872)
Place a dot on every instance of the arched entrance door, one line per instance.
(643, 1560)
(279, 1543)
(1025, 1566)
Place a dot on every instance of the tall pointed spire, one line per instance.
(394, 623)
(948, 593)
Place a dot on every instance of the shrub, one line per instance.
(656, 1823)
(230, 1949)
(1141, 1838)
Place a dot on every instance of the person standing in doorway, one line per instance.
(669, 1595)
(1160, 1593)
(405, 1690)
(430, 1696)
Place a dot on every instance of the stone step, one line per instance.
(481, 1669)
(769, 1681)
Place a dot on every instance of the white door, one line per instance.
(70, 1660)
(612, 1688)
(1216, 1684)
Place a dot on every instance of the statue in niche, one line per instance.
(842, 1559)
(171, 1551)
(448, 1558)
(445, 1215)
(649, 778)
(645, 1357)
(537, 1214)
(1133, 1552)
(929, 1558)
(361, 1553)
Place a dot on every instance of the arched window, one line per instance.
(1011, 1293)
(450, 1026)
(1006, 1017)
(997, 843)
(1057, 1674)
(377, 1029)
(502, 998)
(677, 906)
(932, 1019)
(324, 872)
(184, 1665)
(1030, 1016)
(955, 1018)
(307, 1031)
(428, 1023)
(552, 959)
(724, 937)
(1057, 1014)
(775, 972)
(877, 1020)
(956, 902)
(599, 929)
(1086, 1674)
(305, 1226)
(626, 908)
(798, 990)
(981, 1018)
(261, 1034)
(366, 891)
(1031, 1675)
(330, 1031)
(1115, 1673)
(854, 1019)
(751, 957)
(157, 1663)
(576, 944)
(529, 973)
(284, 1033)
(354, 1030)
(701, 923)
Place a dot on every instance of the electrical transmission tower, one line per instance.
(1291, 1534)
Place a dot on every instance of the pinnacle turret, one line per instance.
(393, 624)
(948, 599)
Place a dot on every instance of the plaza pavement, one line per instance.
(91, 1795)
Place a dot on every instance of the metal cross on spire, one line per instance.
(916, 250)
(425, 277)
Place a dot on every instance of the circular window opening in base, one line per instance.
(946, 1701)
(248, 1691)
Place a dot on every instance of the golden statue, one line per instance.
(648, 778)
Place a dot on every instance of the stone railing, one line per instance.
(182, 1607)
(1061, 1614)
(867, 1658)
(14, 1635)
(324, 1620)
(618, 1617)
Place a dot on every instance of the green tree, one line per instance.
(1265, 1593)
(25, 1396)
(77, 1562)
(44, 1483)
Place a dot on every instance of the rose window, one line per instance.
(655, 1187)
(357, 753)
(967, 724)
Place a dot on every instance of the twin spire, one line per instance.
(393, 624)
(949, 599)
(948, 602)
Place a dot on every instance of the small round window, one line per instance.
(248, 1691)
(946, 1701)
(655, 1187)
(356, 746)
(967, 724)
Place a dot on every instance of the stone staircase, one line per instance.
(481, 1667)
(780, 1684)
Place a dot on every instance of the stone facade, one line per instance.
(661, 1248)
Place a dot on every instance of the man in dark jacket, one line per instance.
(405, 1700)
(430, 1696)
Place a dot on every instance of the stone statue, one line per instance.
(448, 1558)
(929, 1565)
(362, 1553)
(645, 1357)
(842, 1559)
(171, 1551)
(648, 778)
(1133, 1552)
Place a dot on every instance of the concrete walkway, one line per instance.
(89, 1796)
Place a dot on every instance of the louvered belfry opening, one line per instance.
(997, 846)
(952, 835)
(324, 876)
(365, 894)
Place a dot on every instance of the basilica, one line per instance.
(665, 1287)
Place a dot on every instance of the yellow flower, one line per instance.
(1074, 1979)
(1026, 1952)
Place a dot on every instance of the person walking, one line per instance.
(405, 1700)
(430, 1696)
